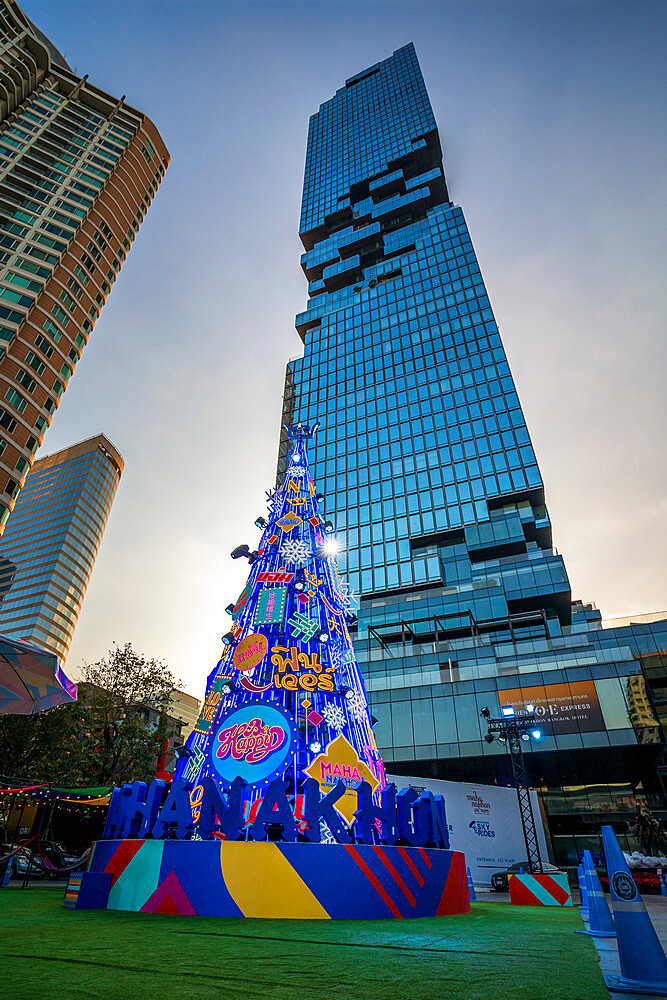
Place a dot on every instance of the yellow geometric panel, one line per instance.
(340, 762)
(263, 883)
(289, 521)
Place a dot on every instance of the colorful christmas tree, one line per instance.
(286, 699)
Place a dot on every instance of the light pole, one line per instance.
(513, 730)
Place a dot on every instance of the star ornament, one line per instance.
(340, 762)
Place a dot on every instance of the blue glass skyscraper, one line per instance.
(432, 481)
(49, 547)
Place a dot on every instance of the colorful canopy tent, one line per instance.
(31, 679)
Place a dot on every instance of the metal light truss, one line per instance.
(510, 729)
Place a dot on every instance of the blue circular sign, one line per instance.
(624, 886)
(255, 742)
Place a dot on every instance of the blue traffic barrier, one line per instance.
(471, 887)
(642, 959)
(7, 875)
(662, 878)
(583, 906)
(600, 923)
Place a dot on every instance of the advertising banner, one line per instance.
(570, 708)
(484, 822)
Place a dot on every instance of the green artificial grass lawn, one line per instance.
(496, 952)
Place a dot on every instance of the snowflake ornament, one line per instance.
(335, 717)
(273, 503)
(347, 595)
(295, 551)
(357, 708)
(335, 653)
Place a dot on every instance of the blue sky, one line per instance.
(551, 115)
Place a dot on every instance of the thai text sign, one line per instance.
(296, 669)
(250, 651)
(210, 706)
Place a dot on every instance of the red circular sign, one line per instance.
(250, 651)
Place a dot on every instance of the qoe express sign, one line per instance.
(570, 708)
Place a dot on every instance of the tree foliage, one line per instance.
(114, 732)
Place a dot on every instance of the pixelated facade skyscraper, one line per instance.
(431, 476)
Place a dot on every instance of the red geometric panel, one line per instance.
(169, 897)
(121, 858)
(456, 897)
(538, 890)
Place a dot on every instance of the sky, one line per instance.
(551, 115)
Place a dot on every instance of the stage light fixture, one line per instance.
(315, 747)
(230, 609)
(525, 736)
(299, 586)
(485, 713)
(228, 687)
(328, 526)
(182, 753)
(530, 708)
(242, 551)
(536, 734)
(261, 522)
(489, 737)
(321, 636)
(229, 638)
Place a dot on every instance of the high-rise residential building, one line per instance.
(78, 171)
(435, 488)
(51, 542)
